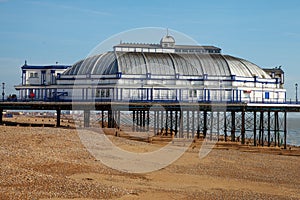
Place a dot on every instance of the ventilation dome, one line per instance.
(167, 42)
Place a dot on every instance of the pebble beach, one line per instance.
(52, 163)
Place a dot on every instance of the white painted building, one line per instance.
(164, 72)
(39, 81)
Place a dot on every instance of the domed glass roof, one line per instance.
(141, 63)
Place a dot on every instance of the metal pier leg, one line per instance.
(176, 123)
(167, 124)
(112, 113)
(243, 127)
(188, 123)
(260, 125)
(119, 119)
(218, 125)
(198, 124)
(112, 119)
(1, 116)
(261, 131)
(275, 128)
(58, 113)
(157, 122)
(137, 120)
(211, 125)
(137, 128)
(102, 118)
(144, 120)
(154, 123)
(225, 127)
(269, 128)
(171, 122)
(148, 119)
(285, 128)
(204, 124)
(86, 118)
(141, 120)
(133, 121)
(193, 124)
(254, 128)
(108, 118)
(181, 124)
(162, 120)
(232, 126)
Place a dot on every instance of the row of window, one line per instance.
(33, 75)
(102, 93)
(196, 51)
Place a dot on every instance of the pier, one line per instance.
(179, 91)
(247, 123)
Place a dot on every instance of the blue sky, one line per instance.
(43, 32)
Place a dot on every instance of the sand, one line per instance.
(52, 163)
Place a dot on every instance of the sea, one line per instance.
(293, 126)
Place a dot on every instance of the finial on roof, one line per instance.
(56, 62)
(25, 62)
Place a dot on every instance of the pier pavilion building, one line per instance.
(40, 81)
(156, 72)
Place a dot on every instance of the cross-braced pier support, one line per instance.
(258, 125)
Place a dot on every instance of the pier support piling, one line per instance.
(262, 127)
(198, 124)
(285, 128)
(86, 118)
(254, 128)
(154, 122)
(204, 124)
(133, 121)
(161, 120)
(232, 126)
(110, 119)
(225, 127)
(188, 123)
(144, 121)
(176, 123)
(148, 120)
(58, 113)
(1, 116)
(102, 118)
(269, 128)
(218, 125)
(119, 119)
(167, 125)
(193, 124)
(211, 125)
(171, 122)
(181, 124)
(276, 128)
(243, 126)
